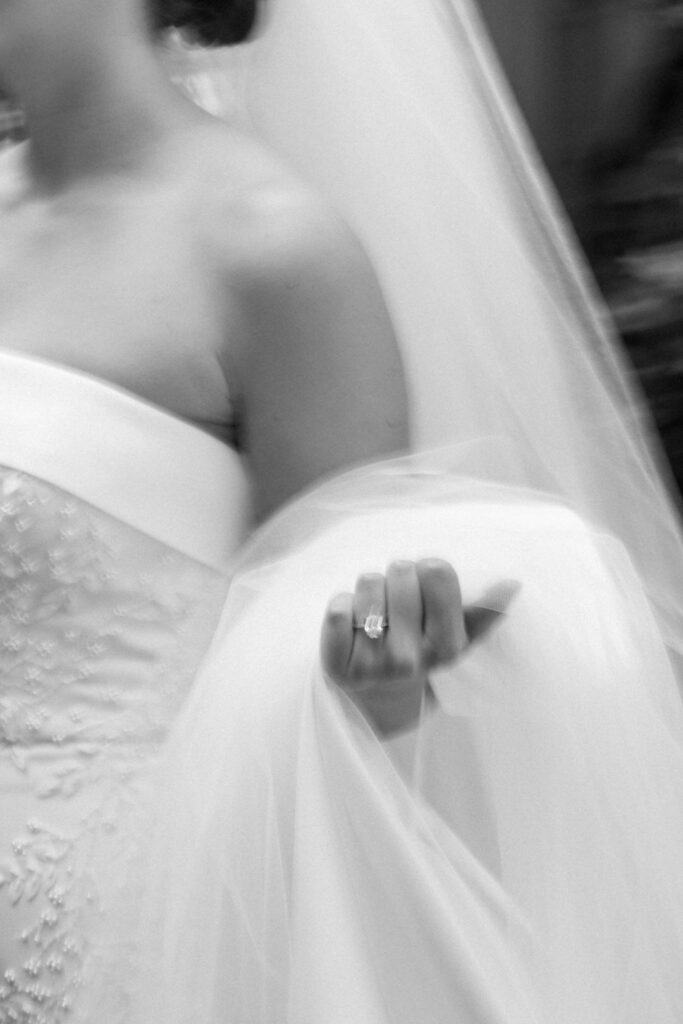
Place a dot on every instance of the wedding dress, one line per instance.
(516, 856)
(116, 525)
(514, 859)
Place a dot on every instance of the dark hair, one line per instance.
(211, 22)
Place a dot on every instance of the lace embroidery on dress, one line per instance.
(101, 631)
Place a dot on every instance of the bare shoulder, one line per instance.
(288, 259)
(268, 225)
(294, 232)
(316, 361)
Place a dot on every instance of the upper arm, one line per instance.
(319, 374)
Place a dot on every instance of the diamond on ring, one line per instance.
(373, 625)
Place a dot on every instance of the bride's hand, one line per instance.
(379, 643)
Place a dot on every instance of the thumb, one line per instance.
(482, 617)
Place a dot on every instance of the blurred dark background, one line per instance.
(600, 83)
(11, 121)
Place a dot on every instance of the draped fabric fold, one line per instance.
(398, 112)
(514, 858)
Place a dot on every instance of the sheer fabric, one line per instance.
(397, 111)
(517, 856)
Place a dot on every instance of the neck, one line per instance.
(102, 115)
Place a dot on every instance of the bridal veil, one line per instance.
(517, 857)
(398, 112)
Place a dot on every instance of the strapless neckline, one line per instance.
(146, 466)
(125, 394)
(118, 525)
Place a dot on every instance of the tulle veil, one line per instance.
(397, 110)
(517, 856)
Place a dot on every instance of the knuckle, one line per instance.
(336, 618)
(438, 568)
(339, 602)
(401, 567)
(333, 666)
(360, 675)
(446, 650)
(333, 674)
(402, 664)
(370, 579)
(435, 564)
(338, 614)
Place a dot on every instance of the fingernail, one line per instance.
(483, 615)
(401, 565)
(500, 596)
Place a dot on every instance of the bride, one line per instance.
(503, 844)
(160, 273)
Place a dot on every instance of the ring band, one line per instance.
(373, 625)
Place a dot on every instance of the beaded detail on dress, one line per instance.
(101, 631)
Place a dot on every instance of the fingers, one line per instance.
(367, 654)
(489, 609)
(349, 657)
(425, 626)
(369, 598)
(450, 627)
(358, 661)
(336, 640)
(404, 646)
(445, 636)
(427, 623)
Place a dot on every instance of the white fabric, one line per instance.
(397, 111)
(516, 859)
(131, 459)
(102, 627)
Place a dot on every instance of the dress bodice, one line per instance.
(101, 626)
(117, 522)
